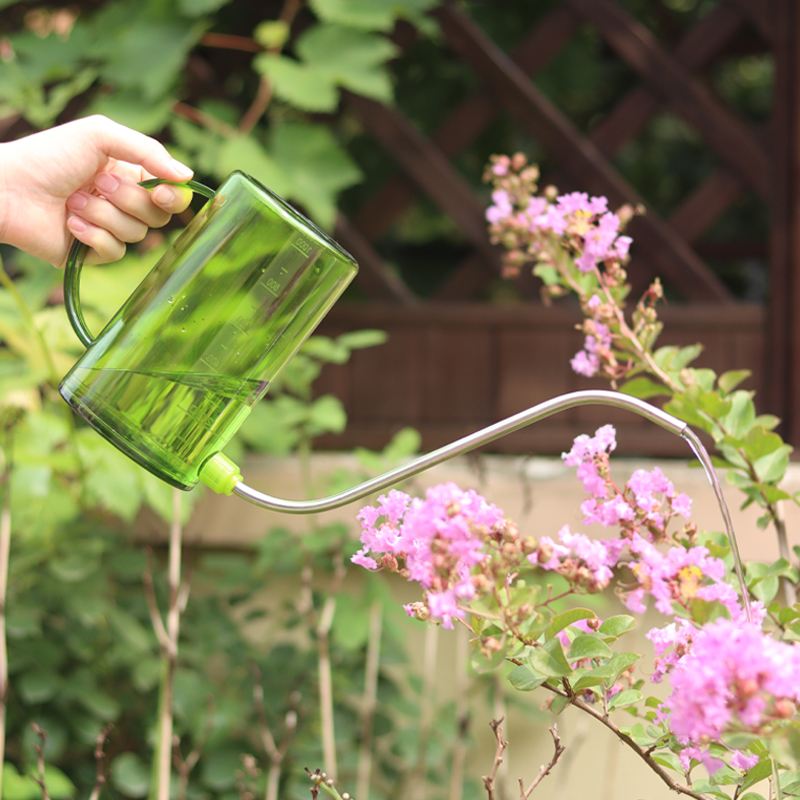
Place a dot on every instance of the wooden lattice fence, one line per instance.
(453, 364)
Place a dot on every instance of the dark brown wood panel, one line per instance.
(490, 362)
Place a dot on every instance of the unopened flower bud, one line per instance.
(550, 192)
(529, 545)
(785, 708)
(518, 161)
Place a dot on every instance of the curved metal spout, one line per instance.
(514, 423)
(464, 445)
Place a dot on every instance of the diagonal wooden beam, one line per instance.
(466, 122)
(725, 131)
(694, 51)
(374, 276)
(429, 169)
(578, 157)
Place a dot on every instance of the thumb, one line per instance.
(121, 143)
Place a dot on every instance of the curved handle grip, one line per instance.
(72, 271)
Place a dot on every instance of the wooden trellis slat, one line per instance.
(726, 132)
(374, 277)
(784, 319)
(694, 51)
(467, 121)
(429, 168)
(578, 157)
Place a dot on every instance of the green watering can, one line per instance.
(174, 374)
(176, 371)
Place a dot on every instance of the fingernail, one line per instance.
(181, 170)
(76, 224)
(106, 182)
(77, 201)
(162, 195)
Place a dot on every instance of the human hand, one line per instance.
(80, 180)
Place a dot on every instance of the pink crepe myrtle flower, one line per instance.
(501, 207)
(734, 677)
(438, 538)
(668, 577)
(579, 557)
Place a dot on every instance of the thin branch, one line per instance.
(275, 753)
(370, 699)
(545, 769)
(623, 737)
(5, 550)
(264, 94)
(322, 632)
(152, 604)
(228, 41)
(185, 765)
(39, 748)
(462, 714)
(100, 757)
(426, 714)
(501, 744)
(204, 120)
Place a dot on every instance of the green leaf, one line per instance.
(614, 627)
(586, 678)
(18, 787)
(567, 618)
(272, 33)
(38, 686)
(247, 153)
(728, 381)
(130, 775)
(319, 166)
(625, 698)
(549, 660)
(644, 389)
(620, 662)
(358, 340)
(350, 58)
(301, 85)
(741, 418)
(588, 645)
(772, 468)
(524, 679)
(326, 415)
(351, 622)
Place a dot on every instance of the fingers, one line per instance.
(121, 211)
(122, 143)
(104, 246)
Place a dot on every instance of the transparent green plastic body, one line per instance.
(174, 374)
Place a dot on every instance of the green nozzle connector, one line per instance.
(220, 474)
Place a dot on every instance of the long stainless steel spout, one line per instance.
(464, 445)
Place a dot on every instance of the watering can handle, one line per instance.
(72, 271)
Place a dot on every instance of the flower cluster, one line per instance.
(726, 676)
(732, 677)
(576, 244)
(527, 222)
(436, 541)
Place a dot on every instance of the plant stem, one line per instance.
(5, 549)
(426, 710)
(625, 739)
(168, 639)
(369, 701)
(500, 747)
(462, 714)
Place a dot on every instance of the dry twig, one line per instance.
(545, 769)
(489, 780)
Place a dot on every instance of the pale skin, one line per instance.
(80, 181)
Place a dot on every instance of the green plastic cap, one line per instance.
(220, 474)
